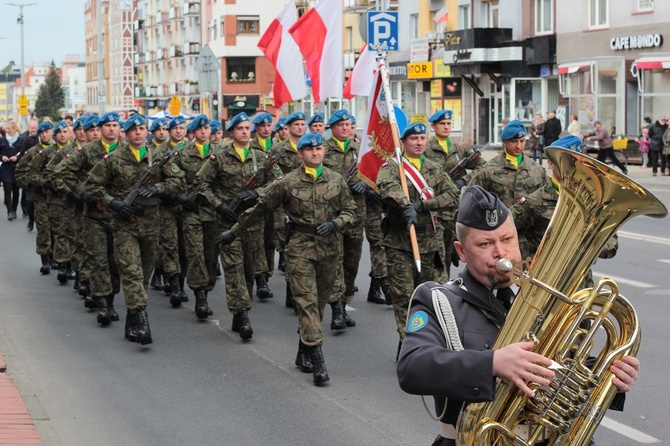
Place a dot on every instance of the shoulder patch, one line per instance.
(174, 168)
(105, 157)
(417, 321)
(522, 200)
(212, 158)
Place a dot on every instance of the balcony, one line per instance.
(190, 88)
(360, 6)
(138, 24)
(139, 58)
(162, 18)
(175, 14)
(192, 9)
(176, 51)
(174, 88)
(161, 53)
(192, 47)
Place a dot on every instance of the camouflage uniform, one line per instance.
(288, 162)
(136, 242)
(312, 261)
(375, 236)
(402, 272)
(24, 175)
(266, 259)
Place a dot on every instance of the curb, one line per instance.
(16, 425)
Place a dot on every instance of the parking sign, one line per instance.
(383, 29)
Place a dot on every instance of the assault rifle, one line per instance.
(459, 169)
(236, 203)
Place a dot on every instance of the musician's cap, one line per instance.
(311, 139)
(174, 122)
(295, 116)
(237, 119)
(262, 118)
(215, 125)
(199, 121)
(281, 123)
(44, 126)
(513, 130)
(109, 117)
(481, 209)
(417, 128)
(315, 118)
(134, 121)
(91, 122)
(571, 142)
(440, 115)
(158, 123)
(78, 123)
(59, 127)
(340, 115)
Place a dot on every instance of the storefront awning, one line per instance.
(570, 68)
(653, 63)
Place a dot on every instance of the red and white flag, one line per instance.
(318, 34)
(442, 15)
(284, 54)
(363, 75)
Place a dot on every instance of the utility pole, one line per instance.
(101, 62)
(19, 20)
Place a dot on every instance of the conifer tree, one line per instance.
(51, 96)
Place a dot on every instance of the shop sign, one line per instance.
(440, 69)
(636, 42)
(436, 88)
(398, 72)
(420, 70)
(419, 51)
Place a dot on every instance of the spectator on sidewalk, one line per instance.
(10, 151)
(552, 129)
(574, 127)
(643, 142)
(656, 145)
(605, 146)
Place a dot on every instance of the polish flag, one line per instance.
(318, 33)
(282, 51)
(363, 75)
(442, 15)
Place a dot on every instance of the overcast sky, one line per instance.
(51, 30)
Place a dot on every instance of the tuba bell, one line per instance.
(582, 332)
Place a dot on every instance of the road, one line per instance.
(199, 384)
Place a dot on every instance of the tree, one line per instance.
(51, 96)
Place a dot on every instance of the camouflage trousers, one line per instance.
(135, 250)
(373, 232)
(352, 249)
(171, 242)
(201, 253)
(404, 278)
(42, 224)
(78, 247)
(240, 260)
(266, 261)
(312, 283)
(279, 223)
(61, 217)
(103, 274)
(449, 237)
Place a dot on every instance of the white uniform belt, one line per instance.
(447, 431)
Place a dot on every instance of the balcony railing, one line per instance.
(192, 9)
(176, 13)
(161, 18)
(176, 51)
(192, 47)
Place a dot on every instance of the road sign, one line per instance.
(207, 66)
(383, 29)
(24, 104)
(174, 106)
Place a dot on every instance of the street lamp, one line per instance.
(19, 20)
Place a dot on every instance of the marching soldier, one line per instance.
(216, 135)
(316, 123)
(281, 130)
(159, 132)
(319, 206)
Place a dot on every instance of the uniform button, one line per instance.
(475, 391)
(487, 346)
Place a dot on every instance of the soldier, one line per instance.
(281, 130)
(159, 132)
(448, 154)
(136, 223)
(316, 123)
(79, 132)
(216, 135)
(430, 191)
(319, 206)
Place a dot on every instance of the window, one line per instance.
(491, 17)
(645, 5)
(464, 17)
(414, 26)
(598, 12)
(247, 25)
(241, 69)
(544, 11)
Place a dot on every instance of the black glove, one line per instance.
(455, 260)
(121, 208)
(224, 210)
(186, 202)
(326, 228)
(359, 187)
(248, 198)
(373, 196)
(147, 191)
(72, 195)
(409, 214)
(225, 238)
(418, 206)
(460, 183)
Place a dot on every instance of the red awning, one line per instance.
(570, 68)
(653, 63)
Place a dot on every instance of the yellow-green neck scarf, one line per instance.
(314, 172)
(343, 145)
(444, 143)
(203, 150)
(265, 143)
(514, 160)
(416, 162)
(556, 184)
(138, 153)
(242, 153)
(109, 148)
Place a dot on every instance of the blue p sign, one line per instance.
(383, 29)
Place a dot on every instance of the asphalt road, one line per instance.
(198, 383)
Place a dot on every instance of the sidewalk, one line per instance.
(16, 426)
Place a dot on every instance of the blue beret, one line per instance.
(310, 139)
(240, 117)
(295, 116)
(316, 117)
(44, 126)
(215, 125)
(158, 123)
(513, 130)
(109, 117)
(177, 120)
(340, 115)
(481, 209)
(92, 121)
(59, 127)
(134, 121)
(281, 123)
(353, 119)
(199, 121)
(440, 115)
(571, 142)
(417, 128)
(78, 123)
(121, 124)
(262, 118)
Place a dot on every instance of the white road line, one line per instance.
(630, 282)
(664, 260)
(644, 238)
(627, 431)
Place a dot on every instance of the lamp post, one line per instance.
(19, 20)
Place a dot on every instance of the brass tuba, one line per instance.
(583, 332)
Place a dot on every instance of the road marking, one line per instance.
(630, 282)
(644, 238)
(629, 432)
(664, 260)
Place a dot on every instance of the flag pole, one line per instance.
(398, 153)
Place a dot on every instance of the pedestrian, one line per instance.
(656, 145)
(535, 141)
(574, 128)
(665, 152)
(552, 129)
(10, 152)
(460, 369)
(605, 148)
(643, 143)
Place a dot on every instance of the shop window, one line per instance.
(527, 98)
(544, 11)
(598, 13)
(247, 25)
(241, 69)
(464, 17)
(645, 5)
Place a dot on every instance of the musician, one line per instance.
(479, 300)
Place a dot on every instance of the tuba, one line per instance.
(582, 332)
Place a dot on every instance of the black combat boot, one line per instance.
(319, 365)
(62, 273)
(143, 332)
(281, 264)
(175, 295)
(375, 293)
(242, 325)
(167, 285)
(290, 303)
(386, 289)
(75, 285)
(131, 330)
(263, 291)
(349, 322)
(209, 309)
(182, 294)
(201, 307)
(113, 315)
(84, 289)
(52, 263)
(90, 303)
(303, 360)
(103, 311)
(337, 322)
(157, 279)
(45, 268)
(71, 274)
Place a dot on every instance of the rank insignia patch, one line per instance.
(417, 321)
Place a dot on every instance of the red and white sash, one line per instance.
(419, 182)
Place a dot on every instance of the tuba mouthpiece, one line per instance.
(504, 265)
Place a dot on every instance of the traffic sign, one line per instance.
(174, 105)
(383, 29)
(24, 104)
